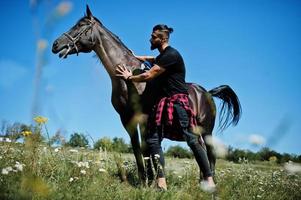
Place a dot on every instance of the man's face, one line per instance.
(155, 40)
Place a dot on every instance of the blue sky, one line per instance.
(251, 45)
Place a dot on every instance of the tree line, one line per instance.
(233, 154)
(14, 133)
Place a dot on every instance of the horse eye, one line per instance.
(80, 24)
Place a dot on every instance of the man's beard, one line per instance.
(153, 46)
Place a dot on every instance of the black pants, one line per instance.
(181, 121)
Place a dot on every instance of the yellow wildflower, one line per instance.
(273, 158)
(40, 119)
(26, 133)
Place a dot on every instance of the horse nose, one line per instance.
(55, 45)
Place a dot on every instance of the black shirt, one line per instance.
(170, 82)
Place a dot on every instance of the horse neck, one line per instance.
(111, 51)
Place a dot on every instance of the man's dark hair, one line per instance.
(164, 29)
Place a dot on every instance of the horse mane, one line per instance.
(115, 37)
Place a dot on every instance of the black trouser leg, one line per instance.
(199, 152)
(192, 140)
(153, 141)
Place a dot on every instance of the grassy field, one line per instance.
(36, 171)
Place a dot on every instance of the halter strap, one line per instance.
(73, 40)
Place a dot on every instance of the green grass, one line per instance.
(88, 174)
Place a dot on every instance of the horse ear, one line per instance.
(88, 12)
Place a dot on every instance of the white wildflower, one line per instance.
(56, 149)
(4, 171)
(83, 164)
(19, 166)
(8, 140)
(71, 179)
(83, 171)
(9, 169)
(186, 162)
(79, 164)
(97, 162)
(102, 170)
(73, 150)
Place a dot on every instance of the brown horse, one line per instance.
(89, 34)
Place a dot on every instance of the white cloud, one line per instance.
(10, 73)
(256, 139)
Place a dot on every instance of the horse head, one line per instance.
(79, 39)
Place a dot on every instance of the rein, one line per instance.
(73, 40)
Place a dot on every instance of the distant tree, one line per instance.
(3, 127)
(78, 140)
(13, 131)
(265, 153)
(251, 156)
(104, 143)
(57, 139)
(236, 155)
(178, 152)
(119, 145)
(298, 159)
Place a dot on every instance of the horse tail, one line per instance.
(230, 106)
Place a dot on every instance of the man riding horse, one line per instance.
(171, 109)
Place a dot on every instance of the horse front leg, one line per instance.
(149, 173)
(131, 128)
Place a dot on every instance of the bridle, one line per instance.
(73, 40)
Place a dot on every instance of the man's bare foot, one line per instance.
(210, 181)
(162, 183)
(208, 185)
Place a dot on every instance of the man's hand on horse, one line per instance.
(123, 72)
